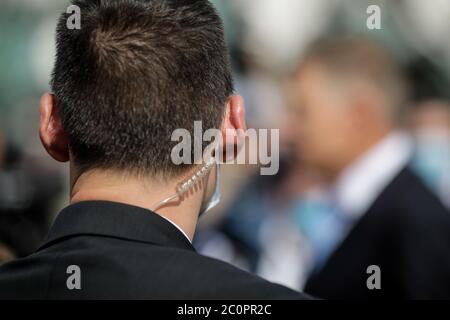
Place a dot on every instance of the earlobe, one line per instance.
(51, 131)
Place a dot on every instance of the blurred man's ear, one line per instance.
(233, 127)
(51, 131)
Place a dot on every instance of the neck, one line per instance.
(142, 192)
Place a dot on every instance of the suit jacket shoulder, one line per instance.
(123, 252)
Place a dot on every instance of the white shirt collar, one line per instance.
(176, 226)
(358, 186)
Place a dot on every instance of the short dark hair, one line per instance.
(136, 71)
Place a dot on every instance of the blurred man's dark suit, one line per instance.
(406, 232)
(126, 252)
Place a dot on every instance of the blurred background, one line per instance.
(265, 224)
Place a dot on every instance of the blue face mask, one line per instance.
(215, 198)
(432, 159)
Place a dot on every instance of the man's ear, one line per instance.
(51, 132)
(233, 127)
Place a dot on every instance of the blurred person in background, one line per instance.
(430, 125)
(429, 122)
(350, 93)
(27, 191)
(263, 228)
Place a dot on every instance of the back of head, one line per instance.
(136, 71)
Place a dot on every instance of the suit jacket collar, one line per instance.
(116, 220)
(360, 184)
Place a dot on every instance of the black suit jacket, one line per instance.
(126, 252)
(406, 233)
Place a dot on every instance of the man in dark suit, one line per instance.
(406, 234)
(135, 72)
(388, 236)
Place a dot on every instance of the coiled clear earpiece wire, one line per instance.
(184, 187)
